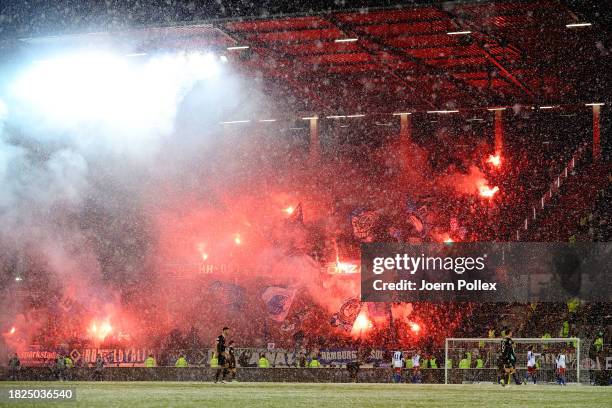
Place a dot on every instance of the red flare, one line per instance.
(487, 192)
(100, 330)
(494, 160)
(362, 325)
(202, 251)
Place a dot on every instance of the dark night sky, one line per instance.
(27, 18)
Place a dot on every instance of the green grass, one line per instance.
(189, 394)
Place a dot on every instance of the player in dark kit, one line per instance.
(507, 360)
(222, 355)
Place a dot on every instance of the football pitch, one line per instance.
(190, 394)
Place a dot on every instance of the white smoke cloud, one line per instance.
(88, 143)
(106, 101)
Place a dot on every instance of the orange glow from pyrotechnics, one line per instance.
(289, 210)
(361, 325)
(237, 239)
(494, 160)
(202, 251)
(100, 331)
(415, 327)
(444, 237)
(488, 192)
(13, 330)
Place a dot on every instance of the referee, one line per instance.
(221, 356)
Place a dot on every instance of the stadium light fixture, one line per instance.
(459, 32)
(402, 113)
(358, 115)
(238, 47)
(574, 25)
(496, 109)
(546, 107)
(310, 117)
(136, 54)
(267, 120)
(594, 104)
(230, 122)
(346, 40)
(336, 116)
(443, 111)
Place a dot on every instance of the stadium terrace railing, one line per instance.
(553, 189)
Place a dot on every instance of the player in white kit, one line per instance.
(531, 365)
(560, 362)
(398, 364)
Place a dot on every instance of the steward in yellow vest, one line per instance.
(150, 361)
(181, 362)
(263, 362)
(314, 363)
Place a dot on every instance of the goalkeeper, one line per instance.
(507, 360)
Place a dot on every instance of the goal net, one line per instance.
(475, 360)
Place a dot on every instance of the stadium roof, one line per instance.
(432, 56)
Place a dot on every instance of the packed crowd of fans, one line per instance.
(529, 169)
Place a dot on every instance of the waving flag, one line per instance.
(227, 293)
(347, 314)
(278, 302)
(417, 214)
(363, 222)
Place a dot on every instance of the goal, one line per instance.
(474, 360)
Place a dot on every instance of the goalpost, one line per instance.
(474, 360)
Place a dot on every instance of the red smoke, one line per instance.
(474, 182)
(237, 227)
